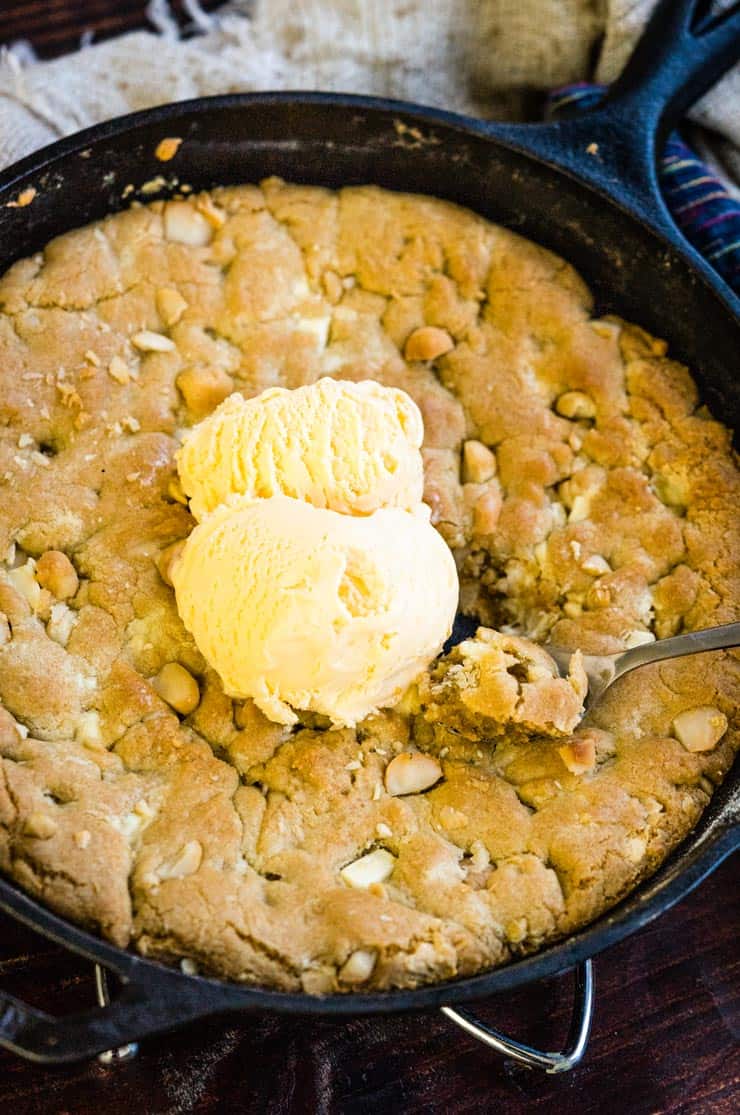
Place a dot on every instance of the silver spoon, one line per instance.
(602, 670)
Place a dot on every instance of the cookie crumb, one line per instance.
(25, 197)
(167, 148)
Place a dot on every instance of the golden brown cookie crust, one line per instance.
(587, 497)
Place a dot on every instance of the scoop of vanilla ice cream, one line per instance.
(300, 607)
(349, 447)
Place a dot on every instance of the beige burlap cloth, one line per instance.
(465, 55)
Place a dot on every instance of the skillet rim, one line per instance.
(709, 843)
(528, 140)
(155, 978)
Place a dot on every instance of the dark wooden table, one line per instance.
(667, 1021)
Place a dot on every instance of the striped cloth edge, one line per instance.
(698, 202)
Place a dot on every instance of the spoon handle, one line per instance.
(693, 642)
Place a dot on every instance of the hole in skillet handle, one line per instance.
(614, 146)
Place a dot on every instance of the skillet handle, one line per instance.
(615, 145)
(139, 1011)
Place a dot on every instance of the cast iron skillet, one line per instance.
(585, 188)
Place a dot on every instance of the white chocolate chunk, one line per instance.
(186, 863)
(148, 341)
(375, 867)
(359, 966)
(575, 404)
(185, 225)
(700, 729)
(410, 773)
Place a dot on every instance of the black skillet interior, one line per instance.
(635, 262)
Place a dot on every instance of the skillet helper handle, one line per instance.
(615, 145)
(137, 1012)
(564, 1061)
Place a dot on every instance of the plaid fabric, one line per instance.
(699, 204)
